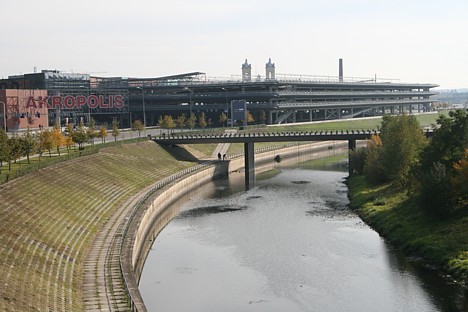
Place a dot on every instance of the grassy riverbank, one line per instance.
(49, 219)
(394, 214)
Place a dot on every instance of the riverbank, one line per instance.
(393, 213)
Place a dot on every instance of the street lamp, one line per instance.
(4, 115)
(89, 110)
(227, 107)
(144, 110)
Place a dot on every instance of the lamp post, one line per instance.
(4, 115)
(144, 110)
(227, 107)
(89, 110)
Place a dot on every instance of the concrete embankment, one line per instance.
(155, 213)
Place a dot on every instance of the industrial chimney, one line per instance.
(340, 70)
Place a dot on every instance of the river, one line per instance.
(288, 244)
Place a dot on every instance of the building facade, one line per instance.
(17, 114)
(272, 99)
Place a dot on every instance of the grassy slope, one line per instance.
(394, 214)
(48, 220)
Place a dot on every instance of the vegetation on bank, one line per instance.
(49, 220)
(397, 216)
(21, 155)
(414, 191)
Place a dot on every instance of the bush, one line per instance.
(435, 191)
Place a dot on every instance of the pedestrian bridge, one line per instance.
(250, 138)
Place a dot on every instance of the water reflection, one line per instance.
(283, 246)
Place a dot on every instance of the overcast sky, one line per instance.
(411, 40)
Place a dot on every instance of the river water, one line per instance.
(288, 244)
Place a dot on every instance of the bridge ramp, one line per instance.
(222, 148)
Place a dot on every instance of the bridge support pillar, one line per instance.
(351, 147)
(249, 160)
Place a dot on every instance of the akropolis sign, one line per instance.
(74, 102)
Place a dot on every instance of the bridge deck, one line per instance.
(178, 138)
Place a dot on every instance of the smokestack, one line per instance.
(340, 70)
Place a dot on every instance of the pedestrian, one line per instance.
(224, 156)
(219, 156)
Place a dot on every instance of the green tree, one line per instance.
(91, 131)
(448, 143)
(5, 149)
(69, 139)
(29, 143)
(440, 178)
(16, 149)
(180, 121)
(202, 121)
(46, 141)
(402, 141)
(373, 169)
(137, 125)
(80, 136)
(191, 121)
(115, 128)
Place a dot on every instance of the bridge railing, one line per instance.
(248, 134)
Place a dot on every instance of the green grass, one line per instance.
(395, 215)
(52, 215)
(22, 167)
(425, 120)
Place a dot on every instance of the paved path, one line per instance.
(103, 286)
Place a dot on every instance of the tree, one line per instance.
(91, 131)
(191, 121)
(223, 119)
(115, 128)
(440, 177)
(138, 126)
(46, 141)
(29, 143)
(449, 141)
(69, 138)
(166, 122)
(402, 141)
(16, 149)
(180, 121)
(262, 117)
(459, 181)
(5, 149)
(103, 133)
(58, 138)
(80, 136)
(169, 123)
(250, 117)
(373, 169)
(357, 160)
(202, 120)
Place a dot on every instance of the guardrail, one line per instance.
(138, 205)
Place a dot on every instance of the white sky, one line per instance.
(412, 40)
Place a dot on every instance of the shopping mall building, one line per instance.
(50, 96)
